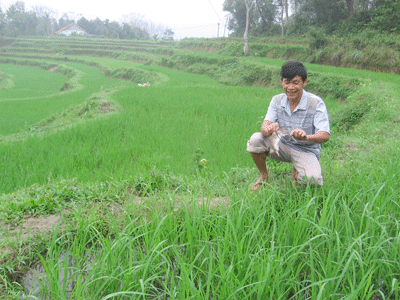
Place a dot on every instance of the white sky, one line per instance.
(187, 18)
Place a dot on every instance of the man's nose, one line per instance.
(291, 86)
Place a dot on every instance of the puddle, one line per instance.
(35, 281)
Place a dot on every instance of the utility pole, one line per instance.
(218, 31)
(226, 24)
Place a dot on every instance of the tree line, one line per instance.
(16, 21)
(246, 17)
(298, 17)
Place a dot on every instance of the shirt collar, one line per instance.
(301, 106)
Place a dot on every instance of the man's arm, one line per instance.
(319, 137)
(268, 127)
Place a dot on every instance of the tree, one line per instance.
(65, 20)
(15, 9)
(168, 35)
(262, 18)
(46, 20)
(365, 5)
(240, 19)
(386, 16)
(113, 29)
(296, 6)
(350, 7)
(284, 9)
(89, 26)
(285, 5)
(266, 14)
(125, 32)
(101, 28)
(249, 5)
(237, 20)
(154, 30)
(2, 22)
(41, 20)
(327, 14)
(20, 22)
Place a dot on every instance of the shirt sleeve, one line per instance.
(321, 119)
(272, 113)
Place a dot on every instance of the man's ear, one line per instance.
(305, 82)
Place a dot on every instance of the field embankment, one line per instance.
(368, 51)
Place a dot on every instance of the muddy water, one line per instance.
(35, 281)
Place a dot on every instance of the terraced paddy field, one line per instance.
(144, 190)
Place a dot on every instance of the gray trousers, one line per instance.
(306, 164)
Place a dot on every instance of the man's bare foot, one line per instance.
(257, 185)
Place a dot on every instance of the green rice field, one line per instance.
(148, 186)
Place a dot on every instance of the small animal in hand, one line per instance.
(274, 140)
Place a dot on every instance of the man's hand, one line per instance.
(319, 137)
(299, 134)
(267, 128)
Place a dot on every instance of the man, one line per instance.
(305, 117)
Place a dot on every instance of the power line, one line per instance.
(194, 26)
(209, 1)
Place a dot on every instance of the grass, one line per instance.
(31, 83)
(317, 242)
(5, 81)
(22, 113)
(106, 147)
(145, 217)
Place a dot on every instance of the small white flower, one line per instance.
(203, 162)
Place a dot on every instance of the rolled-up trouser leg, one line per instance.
(258, 143)
(307, 164)
(308, 167)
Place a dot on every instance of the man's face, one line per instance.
(293, 88)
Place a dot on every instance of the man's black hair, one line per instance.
(293, 68)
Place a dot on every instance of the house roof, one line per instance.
(71, 25)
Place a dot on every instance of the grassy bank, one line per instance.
(368, 50)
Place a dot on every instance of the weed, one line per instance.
(199, 162)
(318, 39)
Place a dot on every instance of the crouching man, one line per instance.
(304, 117)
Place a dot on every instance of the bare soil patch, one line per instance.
(106, 106)
(65, 87)
(34, 225)
(53, 68)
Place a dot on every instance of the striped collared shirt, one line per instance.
(310, 115)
